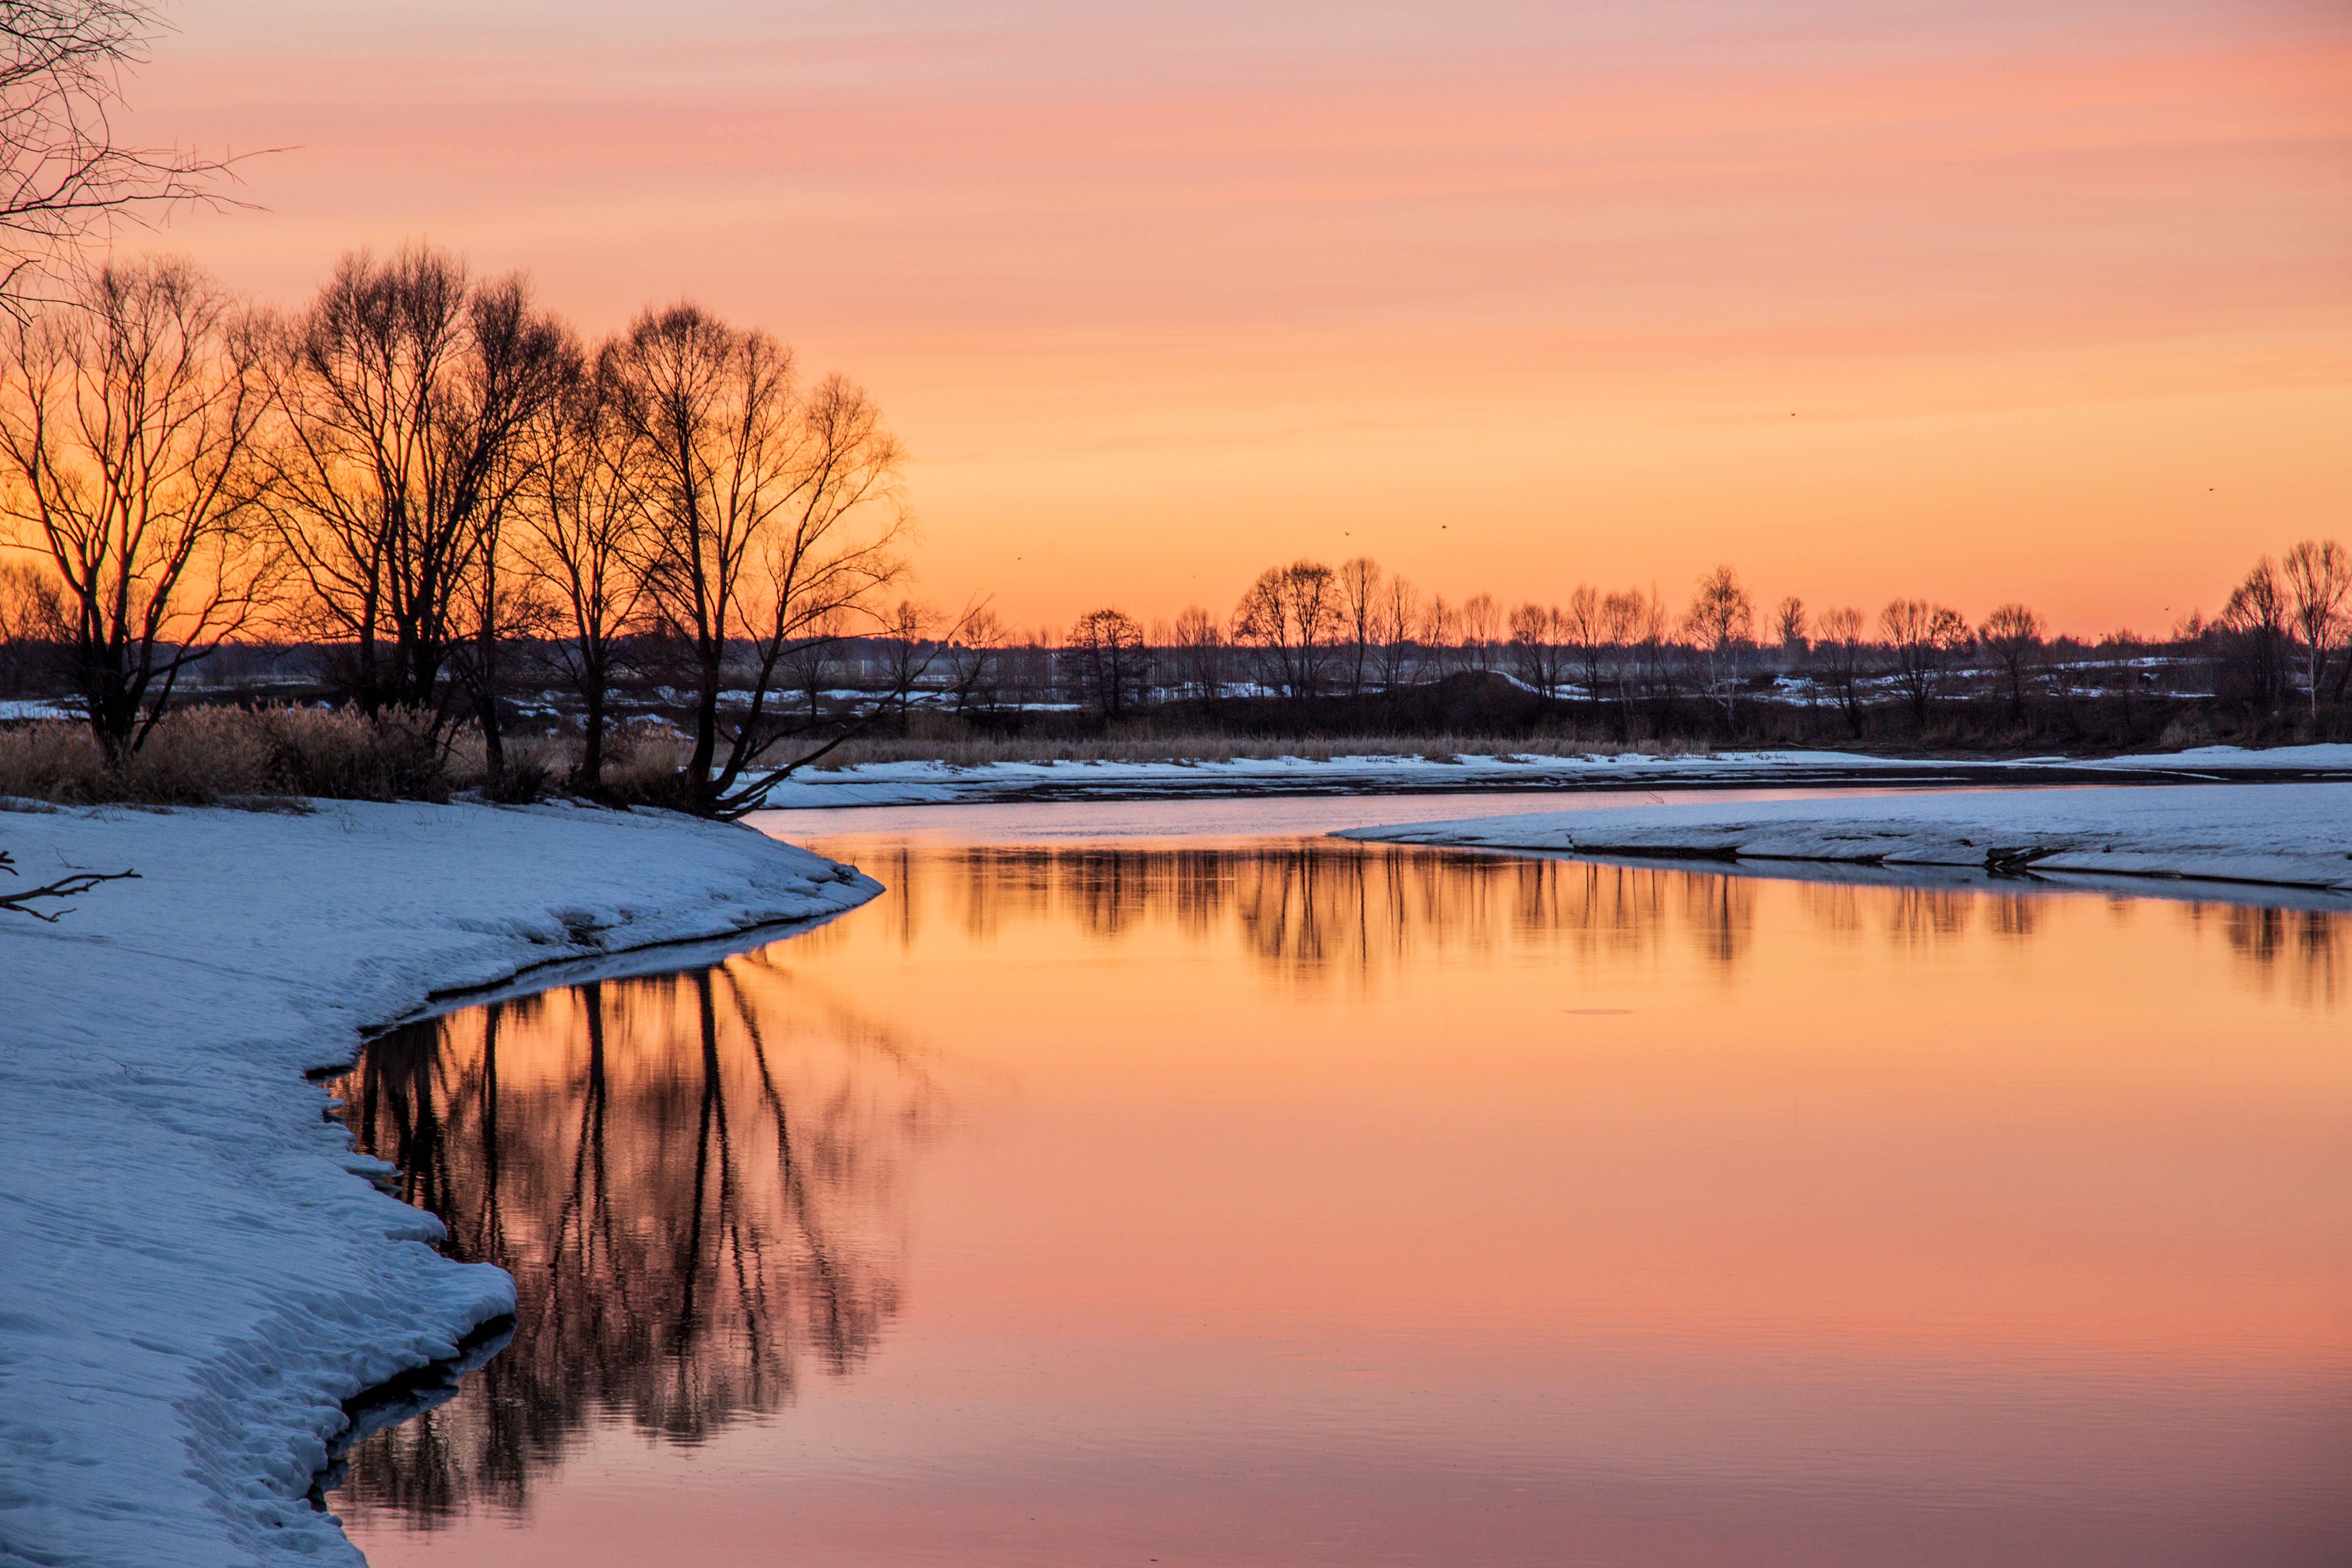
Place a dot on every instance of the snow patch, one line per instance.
(944, 784)
(2278, 835)
(198, 1272)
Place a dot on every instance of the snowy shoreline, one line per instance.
(197, 1273)
(2295, 838)
(941, 783)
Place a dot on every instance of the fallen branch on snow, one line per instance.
(63, 888)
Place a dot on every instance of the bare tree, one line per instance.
(2318, 578)
(911, 645)
(1291, 616)
(1720, 623)
(1626, 619)
(2012, 637)
(521, 364)
(1482, 630)
(815, 662)
(1440, 634)
(1536, 634)
(1398, 621)
(1359, 587)
(771, 513)
(2257, 619)
(127, 439)
(1107, 658)
(1200, 644)
(1842, 655)
(1921, 639)
(410, 393)
(974, 675)
(32, 629)
(1584, 629)
(582, 527)
(1789, 624)
(64, 178)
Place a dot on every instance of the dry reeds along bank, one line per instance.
(207, 756)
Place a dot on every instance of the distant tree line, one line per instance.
(1305, 630)
(454, 497)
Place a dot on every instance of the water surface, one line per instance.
(1285, 1201)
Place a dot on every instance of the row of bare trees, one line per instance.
(426, 469)
(2295, 611)
(1306, 629)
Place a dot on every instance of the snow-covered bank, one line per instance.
(942, 783)
(2294, 835)
(193, 1278)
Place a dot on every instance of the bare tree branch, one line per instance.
(64, 175)
(21, 902)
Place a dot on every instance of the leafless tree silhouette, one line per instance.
(2012, 636)
(1537, 635)
(1720, 622)
(1843, 658)
(1360, 611)
(127, 438)
(1788, 626)
(64, 176)
(581, 536)
(2318, 579)
(1291, 616)
(1107, 654)
(1200, 653)
(2258, 620)
(774, 519)
(410, 393)
(1921, 641)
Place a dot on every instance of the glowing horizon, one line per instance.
(1993, 301)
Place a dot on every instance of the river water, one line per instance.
(1160, 1183)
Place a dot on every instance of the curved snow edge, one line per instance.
(2290, 836)
(195, 1282)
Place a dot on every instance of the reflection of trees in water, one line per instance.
(1927, 916)
(695, 1181)
(1313, 908)
(1317, 907)
(2311, 949)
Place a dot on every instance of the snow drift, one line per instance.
(2285, 836)
(940, 784)
(193, 1272)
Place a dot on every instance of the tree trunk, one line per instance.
(592, 739)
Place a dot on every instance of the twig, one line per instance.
(64, 888)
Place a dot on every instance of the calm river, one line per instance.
(1160, 1183)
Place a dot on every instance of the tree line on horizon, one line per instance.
(1307, 630)
(455, 495)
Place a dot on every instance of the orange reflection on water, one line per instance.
(1321, 1203)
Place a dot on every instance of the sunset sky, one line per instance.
(1981, 300)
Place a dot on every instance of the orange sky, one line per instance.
(1976, 300)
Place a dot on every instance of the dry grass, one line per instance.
(975, 752)
(210, 756)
